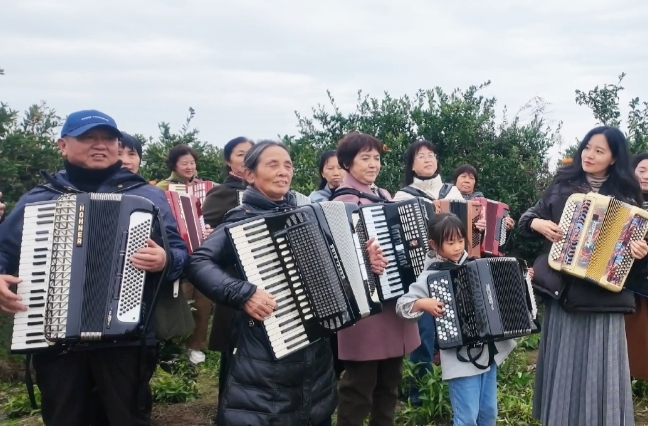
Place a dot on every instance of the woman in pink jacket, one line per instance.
(373, 349)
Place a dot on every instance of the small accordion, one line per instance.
(187, 212)
(597, 231)
(400, 228)
(310, 260)
(469, 212)
(494, 238)
(77, 280)
(486, 300)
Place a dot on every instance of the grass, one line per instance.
(186, 394)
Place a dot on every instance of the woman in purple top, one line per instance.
(373, 349)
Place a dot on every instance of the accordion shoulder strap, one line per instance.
(352, 191)
(416, 192)
(445, 190)
(492, 351)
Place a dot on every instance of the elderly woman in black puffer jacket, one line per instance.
(300, 389)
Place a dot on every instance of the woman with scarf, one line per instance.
(331, 175)
(582, 375)
(299, 389)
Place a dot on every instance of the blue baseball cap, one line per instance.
(80, 122)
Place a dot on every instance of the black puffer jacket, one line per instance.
(574, 294)
(299, 389)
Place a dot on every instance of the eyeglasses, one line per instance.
(431, 156)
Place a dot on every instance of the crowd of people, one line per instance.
(592, 341)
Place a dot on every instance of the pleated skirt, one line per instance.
(582, 376)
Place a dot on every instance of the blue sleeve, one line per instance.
(11, 238)
(179, 252)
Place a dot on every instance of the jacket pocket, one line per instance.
(547, 280)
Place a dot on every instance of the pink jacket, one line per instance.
(380, 336)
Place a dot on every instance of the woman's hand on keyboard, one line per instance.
(377, 259)
(10, 301)
(261, 305)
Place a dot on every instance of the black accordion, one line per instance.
(310, 260)
(401, 230)
(78, 282)
(486, 300)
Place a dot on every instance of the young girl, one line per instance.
(473, 391)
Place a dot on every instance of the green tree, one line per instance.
(510, 157)
(210, 163)
(604, 104)
(26, 147)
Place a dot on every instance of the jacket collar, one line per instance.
(176, 178)
(257, 200)
(121, 176)
(350, 182)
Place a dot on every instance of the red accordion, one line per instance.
(186, 209)
(494, 238)
(198, 188)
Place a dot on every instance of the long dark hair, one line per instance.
(411, 154)
(621, 178)
(322, 163)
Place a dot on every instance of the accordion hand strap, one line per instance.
(492, 351)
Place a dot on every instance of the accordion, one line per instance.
(486, 300)
(197, 188)
(187, 212)
(494, 238)
(78, 282)
(400, 228)
(309, 259)
(469, 212)
(597, 231)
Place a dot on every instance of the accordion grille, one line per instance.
(471, 323)
(320, 272)
(102, 222)
(511, 297)
(61, 268)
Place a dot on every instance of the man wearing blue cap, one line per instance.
(120, 372)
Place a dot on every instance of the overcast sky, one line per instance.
(245, 66)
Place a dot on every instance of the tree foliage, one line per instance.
(26, 147)
(604, 104)
(210, 164)
(510, 156)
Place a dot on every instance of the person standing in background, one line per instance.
(182, 161)
(331, 176)
(130, 152)
(219, 200)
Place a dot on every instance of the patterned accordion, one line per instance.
(597, 231)
(310, 260)
(469, 212)
(486, 300)
(400, 228)
(78, 283)
(187, 212)
(494, 238)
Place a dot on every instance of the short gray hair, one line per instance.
(251, 159)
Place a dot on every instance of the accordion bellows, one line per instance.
(597, 231)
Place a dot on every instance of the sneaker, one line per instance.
(196, 357)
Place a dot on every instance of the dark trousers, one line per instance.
(423, 355)
(369, 387)
(66, 383)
